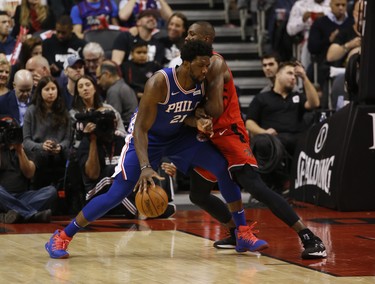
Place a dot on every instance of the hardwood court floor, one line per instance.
(179, 250)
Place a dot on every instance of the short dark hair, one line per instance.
(286, 63)
(111, 67)
(271, 55)
(138, 43)
(194, 48)
(65, 20)
(3, 13)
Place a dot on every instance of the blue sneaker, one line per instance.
(57, 246)
(247, 241)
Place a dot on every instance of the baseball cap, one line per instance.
(71, 60)
(149, 12)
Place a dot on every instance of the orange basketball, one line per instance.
(152, 203)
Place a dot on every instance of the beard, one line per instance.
(288, 89)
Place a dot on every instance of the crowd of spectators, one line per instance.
(66, 92)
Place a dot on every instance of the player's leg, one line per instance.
(96, 208)
(210, 159)
(250, 180)
(200, 195)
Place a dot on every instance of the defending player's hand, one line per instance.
(200, 113)
(169, 168)
(205, 125)
(146, 178)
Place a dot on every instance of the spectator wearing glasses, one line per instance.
(15, 102)
(93, 55)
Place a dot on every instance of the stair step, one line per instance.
(251, 83)
(244, 65)
(238, 47)
(209, 15)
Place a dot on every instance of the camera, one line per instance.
(10, 132)
(104, 120)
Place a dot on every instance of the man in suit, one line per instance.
(15, 103)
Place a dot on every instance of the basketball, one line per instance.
(152, 203)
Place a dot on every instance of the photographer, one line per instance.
(19, 203)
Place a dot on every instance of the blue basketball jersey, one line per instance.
(178, 105)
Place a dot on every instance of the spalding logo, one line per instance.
(321, 138)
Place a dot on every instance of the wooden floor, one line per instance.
(179, 250)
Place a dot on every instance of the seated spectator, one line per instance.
(7, 41)
(34, 16)
(130, 9)
(138, 70)
(270, 64)
(61, 45)
(39, 67)
(117, 93)
(93, 54)
(301, 17)
(322, 33)
(47, 132)
(4, 74)
(345, 41)
(18, 202)
(15, 102)
(279, 114)
(89, 14)
(30, 47)
(73, 70)
(268, 112)
(177, 27)
(146, 23)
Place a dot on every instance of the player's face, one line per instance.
(199, 68)
(269, 66)
(286, 78)
(195, 33)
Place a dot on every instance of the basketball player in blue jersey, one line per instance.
(160, 128)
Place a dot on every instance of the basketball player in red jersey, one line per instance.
(231, 138)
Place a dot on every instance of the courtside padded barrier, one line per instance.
(334, 163)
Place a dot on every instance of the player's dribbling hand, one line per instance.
(145, 179)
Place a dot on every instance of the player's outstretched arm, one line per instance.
(155, 92)
(215, 85)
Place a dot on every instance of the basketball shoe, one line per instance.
(57, 245)
(247, 241)
(228, 242)
(313, 248)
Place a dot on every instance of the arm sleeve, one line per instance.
(76, 17)
(295, 22)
